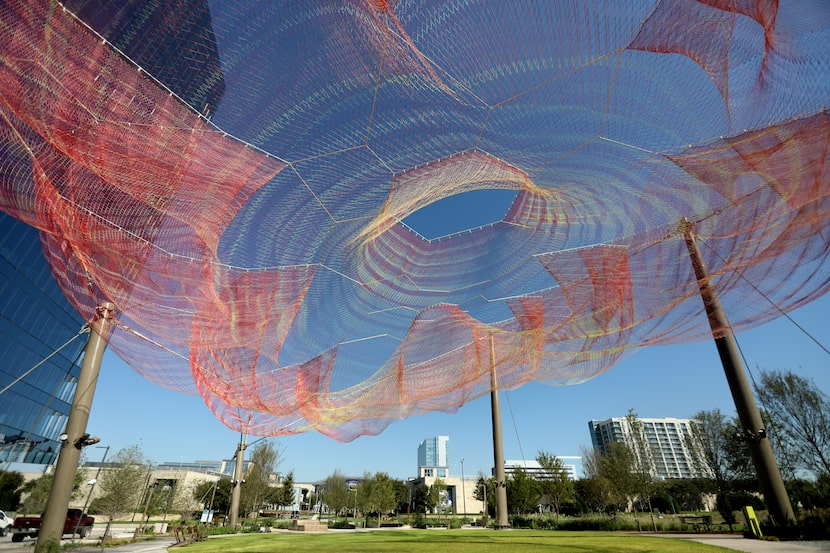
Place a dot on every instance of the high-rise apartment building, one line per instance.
(36, 390)
(433, 457)
(669, 443)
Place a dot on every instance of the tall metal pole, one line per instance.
(237, 482)
(463, 492)
(498, 451)
(769, 477)
(92, 483)
(75, 437)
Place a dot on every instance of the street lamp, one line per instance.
(463, 493)
(484, 491)
(92, 483)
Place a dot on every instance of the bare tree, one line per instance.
(596, 489)
(642, 463)
(712, 445)
(800, 413)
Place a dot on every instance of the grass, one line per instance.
(457, 541)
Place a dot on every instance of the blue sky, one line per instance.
(662, 381)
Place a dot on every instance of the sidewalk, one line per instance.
(158, 545)
(739, 543)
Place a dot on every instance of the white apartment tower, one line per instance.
(433, 457)
(669, 440)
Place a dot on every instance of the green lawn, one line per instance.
(454, 541)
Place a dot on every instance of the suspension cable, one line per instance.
(84, 329)
(515, 427)
(772, 303)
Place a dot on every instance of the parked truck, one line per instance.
(76, 522)
(5, 522)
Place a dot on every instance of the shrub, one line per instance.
(816, 525)
(419, 520)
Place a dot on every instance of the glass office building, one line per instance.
(433, 457)
(35, 321)
(35, 318)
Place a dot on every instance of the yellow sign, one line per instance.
(752, 521)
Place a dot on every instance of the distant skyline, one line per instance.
(661, 381)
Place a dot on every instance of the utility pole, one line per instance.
(75, 437)
(769, 476)
(498, 450)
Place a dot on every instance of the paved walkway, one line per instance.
(739, 543)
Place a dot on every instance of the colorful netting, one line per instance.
(234, 177)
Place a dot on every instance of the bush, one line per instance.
(419, 520)
(816, 525)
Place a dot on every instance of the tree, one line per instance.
(422, 500)
(214, 496)
(121, 486)
(486, 492)
(555, 486)
(11, 489)
(36, 492)
(719, 450)
(183, 502)
(258, 487)
(285, 495)
(800, 413)
(617, 469)
(685, 494)
(643, 467)
(336, 493)
(596, 491)
(378, 495)
(401, 496)
(712, 446)
(522, 492)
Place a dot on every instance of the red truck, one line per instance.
(76, 522)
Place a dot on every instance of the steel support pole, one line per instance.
(54, 517)
(237, 483)
(498, 450)
(769, 477)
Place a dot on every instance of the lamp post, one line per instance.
(484, 492)
(463, 493)
(92, 483)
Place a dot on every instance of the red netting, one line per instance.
(236, 177)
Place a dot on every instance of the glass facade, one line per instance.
(35, 320)
(433, 457)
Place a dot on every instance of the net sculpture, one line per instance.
(236, 178)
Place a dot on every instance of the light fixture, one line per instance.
(86, 440)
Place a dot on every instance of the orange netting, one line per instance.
(235, 177)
